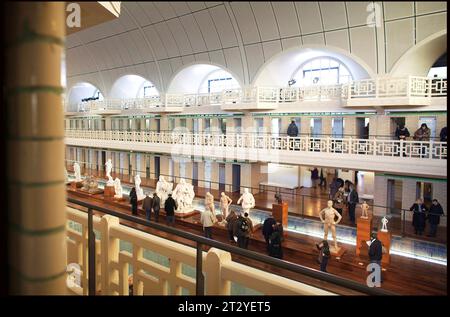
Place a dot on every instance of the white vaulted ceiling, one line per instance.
(155, 40)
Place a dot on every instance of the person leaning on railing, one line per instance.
(434, 217)
(422, 134)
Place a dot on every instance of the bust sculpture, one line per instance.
(184, 195)
(118, 189)
(327, 216)
(225, 203)
(278, 198)
(76, 168)
(364, 210)
(163, 189)
(139, 190)
(384, 222)
(248, 201)
(108, 167)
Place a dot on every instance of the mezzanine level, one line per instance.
(427, 158)
(377, 92)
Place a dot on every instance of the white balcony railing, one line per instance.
(378, 88)
(428, 150)
(160, 266)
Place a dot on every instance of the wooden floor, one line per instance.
(404, 276)
(308, 205)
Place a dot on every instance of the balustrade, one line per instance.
(380, 87)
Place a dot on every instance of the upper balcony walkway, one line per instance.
(379, 92)
(427, 158)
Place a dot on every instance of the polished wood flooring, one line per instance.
(307, 202)
(404, 276)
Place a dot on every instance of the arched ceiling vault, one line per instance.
(155, 39)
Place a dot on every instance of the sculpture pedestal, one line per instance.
(337, 253)
(280, 214)
(363, 230)
(109, 191)
(385, 238)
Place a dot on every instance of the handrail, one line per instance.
(296, 268)
(379, 87)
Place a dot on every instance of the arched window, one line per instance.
(439, 68)
(147, 90)
(321, 71)
(217, 81)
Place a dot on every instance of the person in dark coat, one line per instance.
(334, 187)
(147, 204)
(133, 201)
(292, 130)
(353, 199)
(315, 177)
(156, 205)
(376, 251)
(324, 254)
(443, 134)
(275, 240)
(401, 133)
(434, 217)
(267, 230)
(419, 216)
(169, 207)
(231, 220)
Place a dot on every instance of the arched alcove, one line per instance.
(420, 58)
(202, 78)
(82, 91)
(281, 68)
(132, 86)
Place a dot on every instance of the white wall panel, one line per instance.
(180, 36)
(208, 30)
(397, 9)
(364, 45)
(193, 32)
(155, 41)
(234, 62)
(271, 48)
(167, 39)
(165, 9)
(423, 7)
(255, 59)
(399, 38)
(286, 18)
(333, 15)
(309, 16)
(430, 24)
(218, 58)
(246, 22)
(265, 20)
(357, 12)
(338, 39)
(224, 27)
(316, 39)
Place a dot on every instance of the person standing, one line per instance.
(156, 205)
(292, 130)
(434, 217)
(334, 187)
(323, 178)
(207, 219)
(419, 217)
(401, 133)
(231, 221)
(245, 228)
(423, 135)
(147, 204)
(314, 177)
(376, 251)
(353, 199)
(338, 200)
(169, 207)
(275, 241)
(267, 229)
(324, 254)
(443, 135)
(133, 201)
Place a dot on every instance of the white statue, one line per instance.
(248, 201)
(163, 189)
(118, 189)
(209, 202)
(384, 222)
(184, 195)
(225, 202)
(108, 166)
(139, 190)
(364, 210)
(327, 216)
(76, 168)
